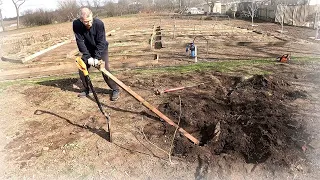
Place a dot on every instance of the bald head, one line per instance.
(86, 18)
(85, 13)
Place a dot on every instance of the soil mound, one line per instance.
(253, 118)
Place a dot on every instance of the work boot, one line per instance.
(84, 94)
(115, 94)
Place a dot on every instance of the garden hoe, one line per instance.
(82, 66)
(158, 92)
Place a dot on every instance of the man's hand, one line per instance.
(94, 62)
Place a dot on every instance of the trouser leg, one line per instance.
(110, 82)
(84, 82)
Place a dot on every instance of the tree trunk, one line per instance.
(18, 18)
(251, 20)
(293, 16)
(1, 20)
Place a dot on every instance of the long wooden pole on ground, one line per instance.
(149, 106)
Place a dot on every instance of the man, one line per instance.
(92, 43)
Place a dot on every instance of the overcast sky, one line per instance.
(8, 9)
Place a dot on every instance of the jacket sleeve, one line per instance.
(80, 40)
(100, 39)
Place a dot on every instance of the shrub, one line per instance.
(37, 18)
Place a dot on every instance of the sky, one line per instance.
(312, 2)
(8, 9)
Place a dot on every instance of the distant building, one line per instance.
(214, 8)
(217, 7)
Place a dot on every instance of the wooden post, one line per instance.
(207, 47)
(156, 57)
(152, 36)
(195, 54)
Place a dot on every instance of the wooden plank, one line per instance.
(149, 106)
(44, 51)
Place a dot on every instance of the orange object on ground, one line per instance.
(284, 58)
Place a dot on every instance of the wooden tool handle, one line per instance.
(149, 106)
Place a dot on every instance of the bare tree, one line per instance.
(97, 3)
(1, 19)
(252, 10)
(210, 3)
(234, 9)
(110, 8)
(81, 3)
(89, 4)
(122, 6)
(68, 10)
(96, 8)
(17, 5)
(293, 2)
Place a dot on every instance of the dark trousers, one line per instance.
(110, 82)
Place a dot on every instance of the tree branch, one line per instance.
(175, 132)
(23, 1)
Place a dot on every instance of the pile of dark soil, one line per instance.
(234, 115)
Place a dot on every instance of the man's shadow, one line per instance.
(69, 83)
(100, 132)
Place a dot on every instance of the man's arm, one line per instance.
(80, 40)
(100, 39)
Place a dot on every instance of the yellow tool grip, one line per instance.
(82, 66)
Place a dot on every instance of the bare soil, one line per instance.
(250, 126)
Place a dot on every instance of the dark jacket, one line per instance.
(91, 42)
